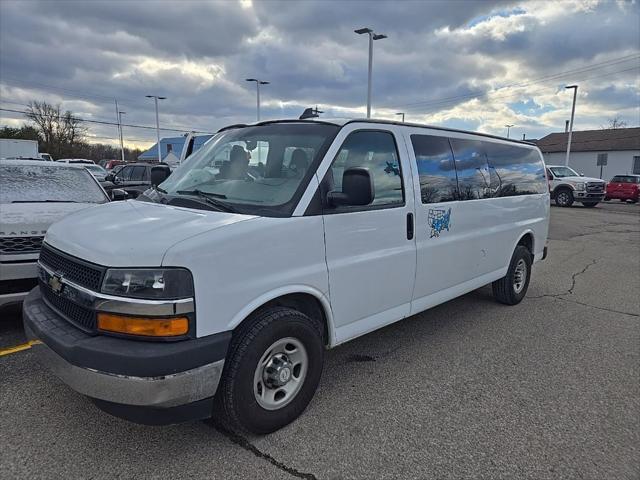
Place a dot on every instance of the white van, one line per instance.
(273, 242)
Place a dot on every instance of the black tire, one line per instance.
(235, 397)
(504, 290)
(564, 197)
(589, 204)
(606, 199)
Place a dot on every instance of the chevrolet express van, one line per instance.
(220, 289)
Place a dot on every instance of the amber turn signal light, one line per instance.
(149, 327)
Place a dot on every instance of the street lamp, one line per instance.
(573, 111)
(401, 113)
(120, 113)
(258, 83)
(372, 36)
(156, 98)
(508, 127)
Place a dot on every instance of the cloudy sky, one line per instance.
(477, 65)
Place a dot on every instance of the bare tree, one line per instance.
(615, 123)
(60, 131)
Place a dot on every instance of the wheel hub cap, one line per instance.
(277, 372)
(520, 276)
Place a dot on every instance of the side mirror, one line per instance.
(581, 174)
(110, 177)
(118, 194)
(159, 174)
(357, 188)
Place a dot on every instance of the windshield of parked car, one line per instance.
(562, 172)
(35, 183)
(253, 169)
(96, 169)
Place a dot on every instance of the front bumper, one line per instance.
(17, 278)
(125, 375)
(584, 195)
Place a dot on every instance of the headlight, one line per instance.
(580, 186)
(151, 283)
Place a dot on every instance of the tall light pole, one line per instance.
(120, 113)
(508, 127)
(258, 83)
(401, 113)
(372, 36)
(156, 98)
(573, 111)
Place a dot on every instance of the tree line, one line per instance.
(62, 135)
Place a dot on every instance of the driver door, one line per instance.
(370, 250)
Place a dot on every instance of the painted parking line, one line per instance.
(19, 348)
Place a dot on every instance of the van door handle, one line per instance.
(409, 226)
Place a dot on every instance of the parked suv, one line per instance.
(271, 243)
(567, 186)
(34, 194)
(624, 187)
(134, 178)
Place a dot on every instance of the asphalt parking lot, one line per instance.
(470, 389)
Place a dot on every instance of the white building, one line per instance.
(619, 148)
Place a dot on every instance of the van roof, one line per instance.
(341, 122)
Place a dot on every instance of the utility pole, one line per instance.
(258, 83)
(573, 111)
(156, 98)
(119, 125)
(120, 128)
(372, 36)
(508, 127)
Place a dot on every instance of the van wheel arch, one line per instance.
(527, 241)
(302, 302)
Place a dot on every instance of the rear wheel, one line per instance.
(589, 204)
(272, 370)
(512, 288)
(564, 197)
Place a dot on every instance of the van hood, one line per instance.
(132, 233)
(33, 219)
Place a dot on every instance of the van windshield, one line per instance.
(255, 170)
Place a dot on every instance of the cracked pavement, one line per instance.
(549, 388)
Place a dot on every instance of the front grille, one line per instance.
(73, 269)
(595, 187)
(13, 245)
(82, 317)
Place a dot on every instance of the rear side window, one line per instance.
(514, 170)
(138, 173)
(436, 169)
(376, 151)
(474, 179)
(625, 179)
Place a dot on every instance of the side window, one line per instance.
(514, 170)
(125, 173)
(472, 168)
(636, 165)
(376, 151)
(137, 173)
(436, 168)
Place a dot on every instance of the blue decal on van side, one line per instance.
(438, 221)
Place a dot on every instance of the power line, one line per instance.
(595, 66)
(105, 122)
(509, 95)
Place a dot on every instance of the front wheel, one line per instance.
(272, 370)
(564, 198)
(512, 288)
(589, 204)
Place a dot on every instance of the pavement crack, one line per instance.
(245, 444)
(576, 275)
(596, 307)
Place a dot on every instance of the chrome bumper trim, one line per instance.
(114, 304)
(163, 392)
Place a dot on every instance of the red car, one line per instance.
(623, 187)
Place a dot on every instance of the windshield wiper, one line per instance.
(210, 198)
(44, 201)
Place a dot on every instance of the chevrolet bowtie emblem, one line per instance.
(55, 282)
